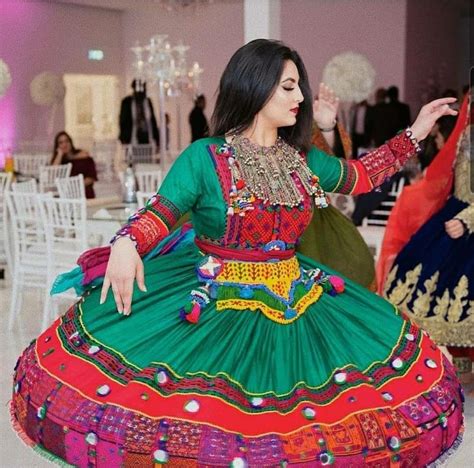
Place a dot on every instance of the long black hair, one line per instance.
(249, 81)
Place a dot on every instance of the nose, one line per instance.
(299, 95)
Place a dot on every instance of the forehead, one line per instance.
(290, 71)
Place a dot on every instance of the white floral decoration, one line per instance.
(350, 75)
(47, 89)
(5, 78)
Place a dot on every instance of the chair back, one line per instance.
(133, 154)
(142, 198)
(30, 164)
(28, 186)
(71, 187)
(5, 182)
(65, 231)
(149, 181)
(49, 174)
(28, 244)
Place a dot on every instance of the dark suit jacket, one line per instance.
(126, 123)
(384, 121)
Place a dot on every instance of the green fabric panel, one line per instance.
(326, 167)
(355, 327)
(333, 240)
(192, 185)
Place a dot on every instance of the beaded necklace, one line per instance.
(267, 172)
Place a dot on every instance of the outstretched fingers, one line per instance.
(105, 289)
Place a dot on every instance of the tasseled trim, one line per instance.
(198, 300)
(441, 460)
(21, 434)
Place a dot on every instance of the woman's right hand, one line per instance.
(429, 114)
(57, 157)
(454, 228)
(124, 266)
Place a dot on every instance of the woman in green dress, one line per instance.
(238, 351)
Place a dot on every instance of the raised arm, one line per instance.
(146, 228)
(375, 167)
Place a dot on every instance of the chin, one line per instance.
(288, 122)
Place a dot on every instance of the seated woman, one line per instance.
(64, 152)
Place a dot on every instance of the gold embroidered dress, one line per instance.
(432, 278)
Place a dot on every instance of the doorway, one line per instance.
(91, 108)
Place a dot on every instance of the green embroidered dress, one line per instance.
(276, 363)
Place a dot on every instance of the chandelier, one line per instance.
(165, 65)
(159, 62)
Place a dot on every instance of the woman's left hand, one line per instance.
(325, 107)
(429, 114)
(454, 228)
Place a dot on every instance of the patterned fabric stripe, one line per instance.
(164, 209)
(151, 224)
(222, 169)
(213, 411)
(221, 166)
(366, 439)
(310, 297)
(383, 162)
(230, 392)
(77, 342)
(406, 353)
(352, 179)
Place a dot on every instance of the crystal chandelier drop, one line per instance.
(162, 64)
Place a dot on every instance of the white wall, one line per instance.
(320, 29)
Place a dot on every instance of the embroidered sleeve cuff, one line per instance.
(151, 224)
(388, 159)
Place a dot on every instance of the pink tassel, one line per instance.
(337, 283)
(193, 316)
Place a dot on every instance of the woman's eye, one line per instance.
(288, 89)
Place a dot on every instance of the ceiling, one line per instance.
(128, 4)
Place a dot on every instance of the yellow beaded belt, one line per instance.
(281, 290)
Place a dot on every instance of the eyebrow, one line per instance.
(289, 79)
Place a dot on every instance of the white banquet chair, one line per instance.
(149, 181)
(71, 187)
(66, 238)
(28, 247)
(30, 165)
(142, 198)
(49, 174)
(5, 254)
(27, 186)
(133, 154)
